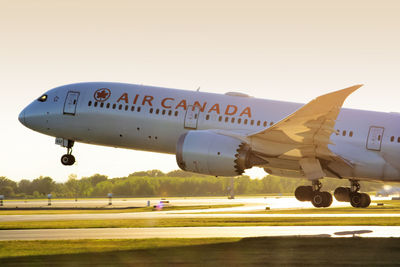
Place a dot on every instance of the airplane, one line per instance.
(225, 134)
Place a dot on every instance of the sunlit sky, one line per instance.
(283, 50)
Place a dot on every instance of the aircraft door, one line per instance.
(375, 137)
(70, 103)
(192, 117)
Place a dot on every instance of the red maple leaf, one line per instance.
(102, 94)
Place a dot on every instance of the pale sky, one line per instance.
(284, 50)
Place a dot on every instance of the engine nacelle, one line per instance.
(211, 153)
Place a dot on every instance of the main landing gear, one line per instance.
(351, 194)
(324, 199)
(313, 193)
(68, 159)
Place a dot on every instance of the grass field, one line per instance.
(210, 252)
(197, 222)
(143, 209)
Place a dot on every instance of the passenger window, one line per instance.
(379, 137)
(207, 117)
(176, 113)
(157, 111)
(344, 133)
(169, 112)
(226, 119)
(252, 122)
(239, 121)
(138, 109)
(108, 105)
(258, 123)
(351, 134)
(120, 107)
(233, 120)
(272, 123)
(114, 105)
(90, 103)
(95, 104)
(245, 121)
(126, 107)
(337, 132)
(195, 116)
(163, 112)
(392, 139)
(398, 140)
(101, 104)
(220, 118)
(265, 123)
(151, 110)
(133, 108)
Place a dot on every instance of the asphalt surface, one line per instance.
(200, 232)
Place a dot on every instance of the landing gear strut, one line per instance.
(351, 194)
(313, 193)
(68, 159)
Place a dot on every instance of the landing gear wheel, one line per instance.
(67, 159)
(303, 193)
(365, 200)
(317, 199)
(355, 199)
(327, 199)
(321, 199)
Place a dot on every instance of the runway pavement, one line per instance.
(200, 232)
(171, 214)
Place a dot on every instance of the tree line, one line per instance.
(155, 183)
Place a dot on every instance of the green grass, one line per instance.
(277, 251)
(196, 222)
(111, 210)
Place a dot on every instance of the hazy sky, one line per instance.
(285, 50)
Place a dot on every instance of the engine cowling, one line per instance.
(207, 152)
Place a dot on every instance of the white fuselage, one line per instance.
(152, 119)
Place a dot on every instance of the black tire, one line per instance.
(318, 199)
(303, 193)
(342, 194)
(365, 200)
(67, 160)
(355, 200)
(327, 199)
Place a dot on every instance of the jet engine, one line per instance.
(207, 152)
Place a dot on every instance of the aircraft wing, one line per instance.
(305, 133)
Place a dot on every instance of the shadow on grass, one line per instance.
(247, 251)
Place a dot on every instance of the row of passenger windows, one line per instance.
(240, 120)
(170, 112)
(392, 139)
(344, 133)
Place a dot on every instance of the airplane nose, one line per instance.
(21, 117)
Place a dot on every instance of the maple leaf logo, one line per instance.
(102, 94)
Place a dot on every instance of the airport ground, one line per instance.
(212, 231)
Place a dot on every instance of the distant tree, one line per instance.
(7, 187)
(43, 185)
(25, 186)
(151, 173)
(95, 179)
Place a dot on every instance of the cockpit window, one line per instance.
(43, 98)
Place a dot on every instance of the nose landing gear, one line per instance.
(66, 159)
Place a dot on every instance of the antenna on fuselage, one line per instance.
(198, 89)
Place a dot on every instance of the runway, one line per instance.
(175, 214)
(200, 232)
